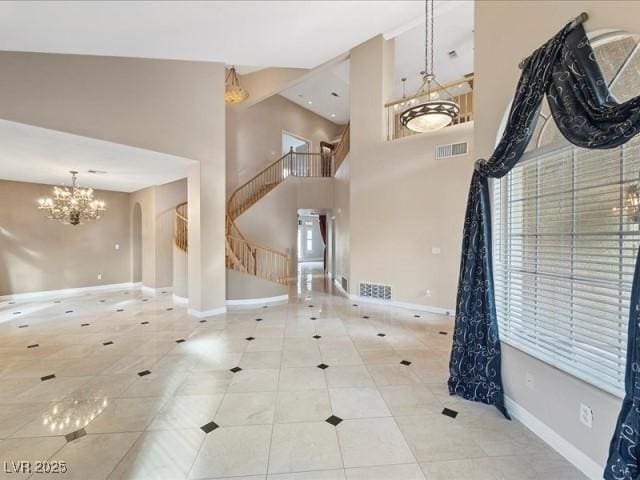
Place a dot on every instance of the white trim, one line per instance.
(206, 313)
(180, 300)
(569, 451)
(155, 291)
(338, 285)
(258, 301)
(69, 291)
(408, 306)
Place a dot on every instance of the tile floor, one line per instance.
(123, 386)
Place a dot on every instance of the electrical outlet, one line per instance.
(99, 276)
(528, 378)
(586, 415)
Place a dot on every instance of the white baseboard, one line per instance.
(258, 301)
(206, 313)
(180, 300)
(44, 294)
(408, 306)
(581, 461)
(155, 291)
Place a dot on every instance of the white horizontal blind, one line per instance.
(565, 243)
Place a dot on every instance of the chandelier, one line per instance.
(433, 114)
(233, 91)
(73, 206)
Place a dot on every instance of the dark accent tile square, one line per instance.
(250, 338)
(405, 362)
(382, 334)
(108, 343)
(317, 336)
(144, 323)
(354, 305)
(48, 377)
(145, 299)
(333, 420)
(35, 345)
(442, 333)
(143, 373)
(12, 303)
(57, 301)
(75, 435)
(416, 316)
(235, 369)
(181, 340)
(102, 301)
(69, 311)
(365, 316)
(258, 319)
(164, 293)
(265, 306)
(84, 324)
(323, 366)
(310, 306)
(209, 427)
(17, 313)
(23, 326)
(169, 309)
(203, 321)
(312, 318)
(120, 310)
(450, 413)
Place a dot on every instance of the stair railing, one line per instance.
(180, 235)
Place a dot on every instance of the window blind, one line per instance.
(565, 243)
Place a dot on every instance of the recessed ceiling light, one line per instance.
(333, 115)
(310, 102)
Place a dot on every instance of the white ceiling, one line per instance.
(39, 155)
(299, 34)
(315, 93)
(453, 31)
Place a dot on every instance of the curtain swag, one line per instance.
(566, 70)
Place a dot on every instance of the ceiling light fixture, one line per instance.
(310, 102)
(433, 114)
(73, 206)
(233, 91)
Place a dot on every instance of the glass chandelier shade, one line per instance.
(72, 206)
(234, 93)
(432, 114)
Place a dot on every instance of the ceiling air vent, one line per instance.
(375, 290)
(452, 150)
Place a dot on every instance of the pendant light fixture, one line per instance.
(233, 91)
(433, 114)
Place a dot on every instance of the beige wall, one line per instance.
(341, 212)
(38, 254)
(254, 135)
(402, 202)
(174, 107)
(506, 32)
(157, 205)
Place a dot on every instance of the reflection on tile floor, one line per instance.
(129, 400)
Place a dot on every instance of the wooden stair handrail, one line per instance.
(180, 236)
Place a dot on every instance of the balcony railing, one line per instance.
(460, 91)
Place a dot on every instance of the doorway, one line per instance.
(298, 144)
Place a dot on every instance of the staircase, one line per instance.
(247, 256)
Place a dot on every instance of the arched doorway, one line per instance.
(136, 244)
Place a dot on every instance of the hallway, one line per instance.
(120, 385)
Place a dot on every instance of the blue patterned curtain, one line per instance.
(565, 70)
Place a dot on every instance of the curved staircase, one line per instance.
(247, 256)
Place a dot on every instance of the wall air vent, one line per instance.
(375, 290)
(345, 284)
(452, 150)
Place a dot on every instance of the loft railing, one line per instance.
(461, 92)
(181, 227)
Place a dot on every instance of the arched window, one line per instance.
(566, 237)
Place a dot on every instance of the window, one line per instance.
(566, 234)
(309, 240)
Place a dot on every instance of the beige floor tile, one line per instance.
(301, 379)
(303, 406)
(358, 402)
(233, 451)
(254, 380)
(304, 446)
(386, 472)
(256, 408)
(189, 411)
